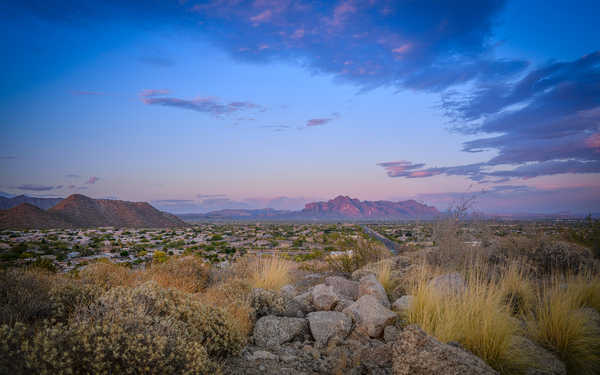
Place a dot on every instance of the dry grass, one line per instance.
(562, 326)
(234, 297)
(518, 291)
(107, 275)
(585, 287)
(383, 270)
(271, 273)
(478, 319)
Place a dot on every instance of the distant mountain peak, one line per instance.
(78, 210)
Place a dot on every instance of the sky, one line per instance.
(203, 105)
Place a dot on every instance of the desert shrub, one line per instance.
(233, 296)
(188, 274)
(24, 296)
(478, 319)
(102, 347)
(363, 253)
(107, 275)
(271, 273)
(544, 255)
(559, 324)
(159, 257)
(69, 294)
(149, 305)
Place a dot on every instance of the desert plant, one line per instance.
(517, 290)
(25, 296)
(271, 273)
(363, 253)
(187, 274)
(478, 319)
(559, 324)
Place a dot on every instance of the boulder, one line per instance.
(325, 325)
(271, 331)
(343, 287)
(370, 316)
(323, 297)
(449, 283)
(545, 363)
(289, 291)
(342, 304)
(402, 304)
(417, 353)
(266, 302)
(369, 285)
(304, 300)
(390, 334)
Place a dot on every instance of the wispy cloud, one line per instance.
(92, 180)
(72, 175)
(34, 187)
(208, 105)
(7, 157)
(318, 121)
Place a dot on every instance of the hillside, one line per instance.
(43, 203)
(80, 211)
(26, 216)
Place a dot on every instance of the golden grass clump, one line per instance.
(233, 296)
(383, 270)
(560, 324)
(518, 292)
(271, 273)
(478, 319)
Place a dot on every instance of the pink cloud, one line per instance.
(403, 48)
(263, 16)
(92, 180)
(147, 93)
(317, 121)
(593, 141)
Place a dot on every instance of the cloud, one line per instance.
(169, 201)
(8, 157)
(92, 180)
(368, 43)
(72, 176)
(204, 196)
(207, 105)
(545, 123)
(34, 187)
(317, 121)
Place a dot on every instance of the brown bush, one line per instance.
(25, 296)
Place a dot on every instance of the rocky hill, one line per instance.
(43, 203)
(346, 207)
(80, 211)
(27, 215)
(339, 208)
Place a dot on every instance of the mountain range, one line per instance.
(77, 211)
(339, 208)
(43, 203)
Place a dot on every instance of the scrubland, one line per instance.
(187, 316)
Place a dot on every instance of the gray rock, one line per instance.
(449, 283)
(289, 291)
(261, 355)
(403, 303)
(390, 334)
(343, 287)
(323, 297)
(271, 331)
(369, 285)
(342, 304)
(545, 363)
(417, 353)
(370, 316)
(266, 302)
(325, 325)
(305, 302)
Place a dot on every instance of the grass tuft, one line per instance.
(271, 273)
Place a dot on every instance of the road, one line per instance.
(392, 246)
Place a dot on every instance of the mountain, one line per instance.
(339, 208)
(238, 214)
(27, 215)
(346, 207)
(80, 211)
(43, 203)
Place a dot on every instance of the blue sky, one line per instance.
(200, 105)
